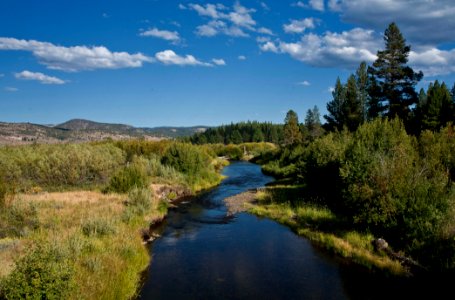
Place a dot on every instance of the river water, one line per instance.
(204, 254)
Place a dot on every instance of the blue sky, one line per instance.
(182, 63)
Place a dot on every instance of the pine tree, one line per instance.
(335, 118)
(292, 134)
(352, 108)
(392, 81)
(437, 109)
(313, 122)
(361, 76)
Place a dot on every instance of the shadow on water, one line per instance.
(203, 254)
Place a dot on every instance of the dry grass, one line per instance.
(107, 265)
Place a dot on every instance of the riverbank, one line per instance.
(317, 224)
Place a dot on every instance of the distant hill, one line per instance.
(79, 130)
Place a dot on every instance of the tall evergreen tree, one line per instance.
(335, 118)
(392, 81)
(437, 109)
(313, 122)
(361, 76)
(352, 108)
(292, 134)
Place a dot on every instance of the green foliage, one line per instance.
(186, 158)
(59, 165)
(46, 272)
(435, 108)
(313, 123)
(243, 132)
(130, 176)
(392, 81)
(292, 134)
(139, 201)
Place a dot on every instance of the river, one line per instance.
(205, 254)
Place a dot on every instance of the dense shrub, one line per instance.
(46, 272)
(140, 201)
(128, 177)
(59, 165)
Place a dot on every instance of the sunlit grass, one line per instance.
(107, 253)
(325, 229)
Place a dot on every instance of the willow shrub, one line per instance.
(193, 162)
(390, 189)
(44, 273)
(59, 165)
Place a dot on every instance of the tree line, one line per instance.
(383, 160)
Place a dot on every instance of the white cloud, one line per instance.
(433, 61)
(241, 57)
(11, 89)
(304, 83)
(44, 79)
(77, 58)
(169, 57)
(172, 36)
(183, 7)
(2, 75)
(345, 49)
(427, 22)
(216, 27)
(219, 62)
(265, 6)
(330, 89)
(313, 4)
(209, 10)
(264, 30)
(317, 4)
(299, 26)
(233, 21)
(269, 47)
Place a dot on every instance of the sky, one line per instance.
(152, 63)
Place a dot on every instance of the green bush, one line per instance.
(140, 200)
(59, 165)
(46, 272)
(393, 191)
(133, 175)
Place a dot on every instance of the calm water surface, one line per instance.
(204, 254)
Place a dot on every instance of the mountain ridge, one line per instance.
(80, 130)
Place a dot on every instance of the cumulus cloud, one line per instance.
(234, 21)
(172, 36)
(216, 27)
(299, 26)
(241, 57)
(219, 62)
(169, 57)
(424, 22)
(433, 61)
(76, 58)
(42, 78)
(345, 49)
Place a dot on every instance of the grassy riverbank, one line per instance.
(322, 227)
(72, 217)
